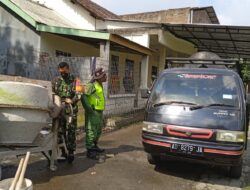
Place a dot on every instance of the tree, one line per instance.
(246, 71)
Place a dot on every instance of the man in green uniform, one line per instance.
(64, 87)
(93, 101)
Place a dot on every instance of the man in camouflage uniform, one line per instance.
(64, 87)
(93, 101)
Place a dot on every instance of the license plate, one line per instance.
(187, 149)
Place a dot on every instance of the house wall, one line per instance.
(140, 39)
(153, 62)
(20, 43)
(166, 16)
(72, 12)
(120, 102)
(158, 59)
(200, 16)
(50, 43)
(164, 44)
(109, 25)
(122, 61)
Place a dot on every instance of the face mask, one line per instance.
(64, 75)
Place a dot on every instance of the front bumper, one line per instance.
(213, 152)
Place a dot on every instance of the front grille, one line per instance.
(188, 132)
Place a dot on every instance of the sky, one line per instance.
(229, 12)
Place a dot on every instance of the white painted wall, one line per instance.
(142, 39)
(50, 43)
(72, 12)
(15, 34)
(19, 45)
(122, 62)
(108, 24)
(122, 103)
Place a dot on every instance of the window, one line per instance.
(128, 80)
(154, 73)
(62, 53)
(196, 88)
(114, 75)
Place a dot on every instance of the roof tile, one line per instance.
(97, 10)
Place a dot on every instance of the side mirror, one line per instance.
(145, 93)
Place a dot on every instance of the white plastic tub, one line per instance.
(5, 184)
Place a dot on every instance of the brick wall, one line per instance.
(201, 16)
(167, 16)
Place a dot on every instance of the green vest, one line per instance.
(97, 99)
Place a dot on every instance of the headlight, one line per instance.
(153, 127)
(230, 136)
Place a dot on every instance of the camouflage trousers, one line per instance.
(67, 129)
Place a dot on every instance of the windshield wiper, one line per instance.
(172, 102)
(209, 105)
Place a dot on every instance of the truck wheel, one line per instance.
(154, 159)
(235, 171)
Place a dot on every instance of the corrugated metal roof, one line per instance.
(42, 14)
(96, 10)
(226, 41)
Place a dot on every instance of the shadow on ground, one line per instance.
(203, 173)
(39, 173)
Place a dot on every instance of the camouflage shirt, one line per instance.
(64, 87)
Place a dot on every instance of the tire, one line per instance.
(235, 171)
(154, 159)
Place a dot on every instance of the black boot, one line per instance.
(71, 157)
(92, 154)
(98, 149)
(64, 154)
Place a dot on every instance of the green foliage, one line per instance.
(246, 72)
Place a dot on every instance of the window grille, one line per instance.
(114, 75)
(128, 80)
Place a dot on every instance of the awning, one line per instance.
(118, 43)
(225, 41)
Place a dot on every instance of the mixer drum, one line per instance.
(24, 111)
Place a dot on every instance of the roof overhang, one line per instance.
(130, 44)
(225, 41)
(73, 32)
(19, 12)
(119, 42)
(85, 35)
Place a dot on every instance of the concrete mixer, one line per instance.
(26, 114)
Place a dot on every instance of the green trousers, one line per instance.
(68, 130)
(93, 127)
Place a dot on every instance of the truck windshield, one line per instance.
(196, 89)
